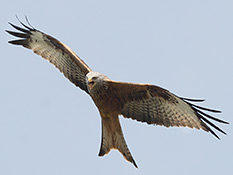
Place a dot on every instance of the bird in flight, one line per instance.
(142, 102)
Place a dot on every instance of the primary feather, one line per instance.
(141, 102)
(55, 52)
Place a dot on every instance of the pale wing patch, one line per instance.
(55, 52)
(158, 111)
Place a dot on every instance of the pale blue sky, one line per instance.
(48, 126)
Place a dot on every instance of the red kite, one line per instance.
(142, 102)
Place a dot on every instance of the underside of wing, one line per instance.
(155, 105)
(54, 51)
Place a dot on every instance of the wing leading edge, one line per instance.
(57, 53)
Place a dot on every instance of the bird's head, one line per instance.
(95, 81)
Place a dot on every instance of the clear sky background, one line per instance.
(48, 126)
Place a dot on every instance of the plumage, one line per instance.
(55, 52)
(141, 102)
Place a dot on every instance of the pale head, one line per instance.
(96, 81)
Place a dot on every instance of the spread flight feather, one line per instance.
(141, 102)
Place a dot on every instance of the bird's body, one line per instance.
(141, 102)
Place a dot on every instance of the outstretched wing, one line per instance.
(155, 105)
(54, 51)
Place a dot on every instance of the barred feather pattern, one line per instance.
(57, 53)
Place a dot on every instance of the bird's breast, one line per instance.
(107, 103)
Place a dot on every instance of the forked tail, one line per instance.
(112, 138)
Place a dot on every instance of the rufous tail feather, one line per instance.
(112, 138)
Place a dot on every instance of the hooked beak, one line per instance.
(91, 83)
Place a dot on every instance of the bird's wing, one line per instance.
(155, 105)
(54, 51)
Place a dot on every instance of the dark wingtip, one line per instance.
(24, 24)
(211, 117)
(211, 124)
(203, 117)
(20, 35)
(20, 29)
(12, 42)
(134, 163)
(212, 132)
(193, 100)
(29, 23)
(203, 108)
(207, 109)
(19, 42)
